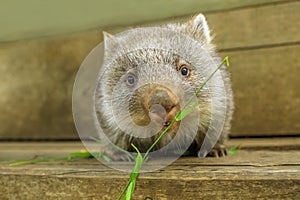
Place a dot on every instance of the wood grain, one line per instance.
(266, 91)
(36, 82)
(245, 27)
(261, 174)
(274, 24)
(27, 150)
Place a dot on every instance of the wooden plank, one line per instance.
(36, 81)
(27, 150)
(107, 187)
(33, 18)
(279, 143)
(266, 91)
(247, 175)
(250, 27)
(256, 27)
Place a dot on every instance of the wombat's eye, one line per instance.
(130, 79)
(184, 70)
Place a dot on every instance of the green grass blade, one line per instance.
(183, 114)
(130, 190)
(44, 159)
(133, 175)
(226, 61)
(79, 155)
(234, 149)
(124, 189)
(36, 160)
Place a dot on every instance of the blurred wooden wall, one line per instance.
(261, 38)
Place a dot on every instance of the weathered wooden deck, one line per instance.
(262, 169)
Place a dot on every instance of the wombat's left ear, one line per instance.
(200, 27)
(109, 40)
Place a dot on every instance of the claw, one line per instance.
(218, 152)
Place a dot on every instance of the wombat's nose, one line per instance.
(162, 98)
(163, 106)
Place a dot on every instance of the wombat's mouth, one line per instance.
(163, 117)
(172, 129)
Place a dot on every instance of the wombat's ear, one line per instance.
(200, 28)
(110, 41)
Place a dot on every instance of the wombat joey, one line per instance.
(149, 83)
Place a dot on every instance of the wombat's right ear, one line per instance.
(200, 28)
(110, 41)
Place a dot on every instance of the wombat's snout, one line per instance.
(153, 103)
(162, 105)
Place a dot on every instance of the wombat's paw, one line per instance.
(219, 151)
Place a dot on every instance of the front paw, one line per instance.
(220, 151)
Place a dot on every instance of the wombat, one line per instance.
(147, 84)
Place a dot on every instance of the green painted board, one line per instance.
(34, 18)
